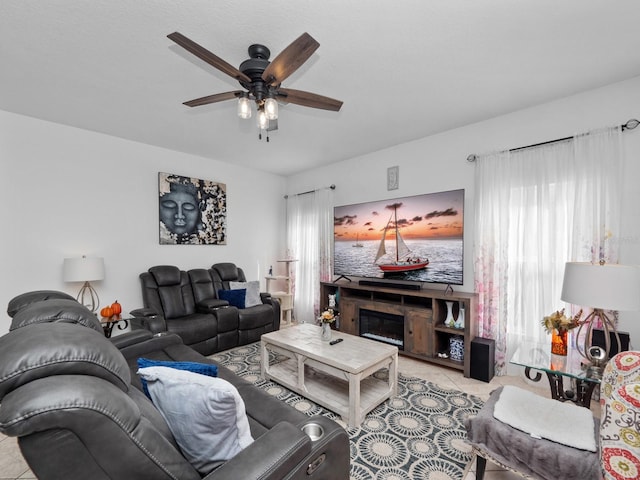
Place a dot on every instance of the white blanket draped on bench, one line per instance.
(542, 417)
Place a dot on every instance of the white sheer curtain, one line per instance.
(536, 209)
(309, 240)
(598, 196)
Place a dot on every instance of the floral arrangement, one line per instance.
(328, 316)
(560, 322)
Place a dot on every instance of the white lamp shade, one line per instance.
(607, 287)
(83, 269)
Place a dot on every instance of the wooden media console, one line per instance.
(412, 320)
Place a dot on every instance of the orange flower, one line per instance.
(328, 316)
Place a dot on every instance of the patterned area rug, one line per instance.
(418, 434)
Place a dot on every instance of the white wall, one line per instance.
(68, 192)
(438, 163)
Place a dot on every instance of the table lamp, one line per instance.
(600, 287)
(84, 269)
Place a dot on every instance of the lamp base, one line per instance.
(595, 371)
(88, 297)
(595, 355)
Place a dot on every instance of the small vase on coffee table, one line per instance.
(326, 332)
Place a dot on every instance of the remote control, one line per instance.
(337, 340)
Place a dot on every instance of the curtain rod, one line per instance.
(630, 125)
(331, 187)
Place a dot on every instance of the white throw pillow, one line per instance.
(253, 292)
(205, 414)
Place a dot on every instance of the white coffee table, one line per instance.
(338, 376)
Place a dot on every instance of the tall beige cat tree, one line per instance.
(284, 296)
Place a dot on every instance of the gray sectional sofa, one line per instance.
(73, 399)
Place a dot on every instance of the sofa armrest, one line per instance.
(286, 451)
(209, 305)
(155, 344)
(131, 338)
(265, 297)
(147, 319)
(144, 312)
(268, 299)
(284, 442)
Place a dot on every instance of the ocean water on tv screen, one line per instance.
(445, 260)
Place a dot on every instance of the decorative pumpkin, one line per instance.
(116, 307)
(106, 312)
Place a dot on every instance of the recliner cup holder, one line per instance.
(313, 430)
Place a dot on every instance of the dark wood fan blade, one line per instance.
(218, 97)
(209, 57)
(307, 99)
(290, 59)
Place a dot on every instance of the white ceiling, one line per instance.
(405, 69)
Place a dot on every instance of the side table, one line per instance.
(538, 356)
(108, 323)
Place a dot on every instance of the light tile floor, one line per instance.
(13, 466)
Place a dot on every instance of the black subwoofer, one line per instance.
(483, 359)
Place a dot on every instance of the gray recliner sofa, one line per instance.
(187, 303)
(72, 398)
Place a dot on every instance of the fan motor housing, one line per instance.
(254, 67)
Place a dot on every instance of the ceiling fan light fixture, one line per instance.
(261, 80)
(271, 108)
(244, 107)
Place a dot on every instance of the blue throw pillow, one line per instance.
(195, 367)
(236, 298)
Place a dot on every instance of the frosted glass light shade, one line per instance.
(607, 287)
(83, 269)
(271, 108)
(244, 108)
(262, 120)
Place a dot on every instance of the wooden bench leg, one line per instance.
(481, 463)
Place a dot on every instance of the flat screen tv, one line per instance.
(417, 238)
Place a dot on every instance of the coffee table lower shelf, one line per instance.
(351, 396)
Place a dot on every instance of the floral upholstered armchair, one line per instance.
(620, 417)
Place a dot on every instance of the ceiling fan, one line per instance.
(262, 79)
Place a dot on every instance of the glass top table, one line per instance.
(108, 323)
(538, 356)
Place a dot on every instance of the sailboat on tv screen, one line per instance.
(403, 260)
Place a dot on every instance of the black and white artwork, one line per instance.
(192, 211)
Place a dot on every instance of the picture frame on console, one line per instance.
(191, 211)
